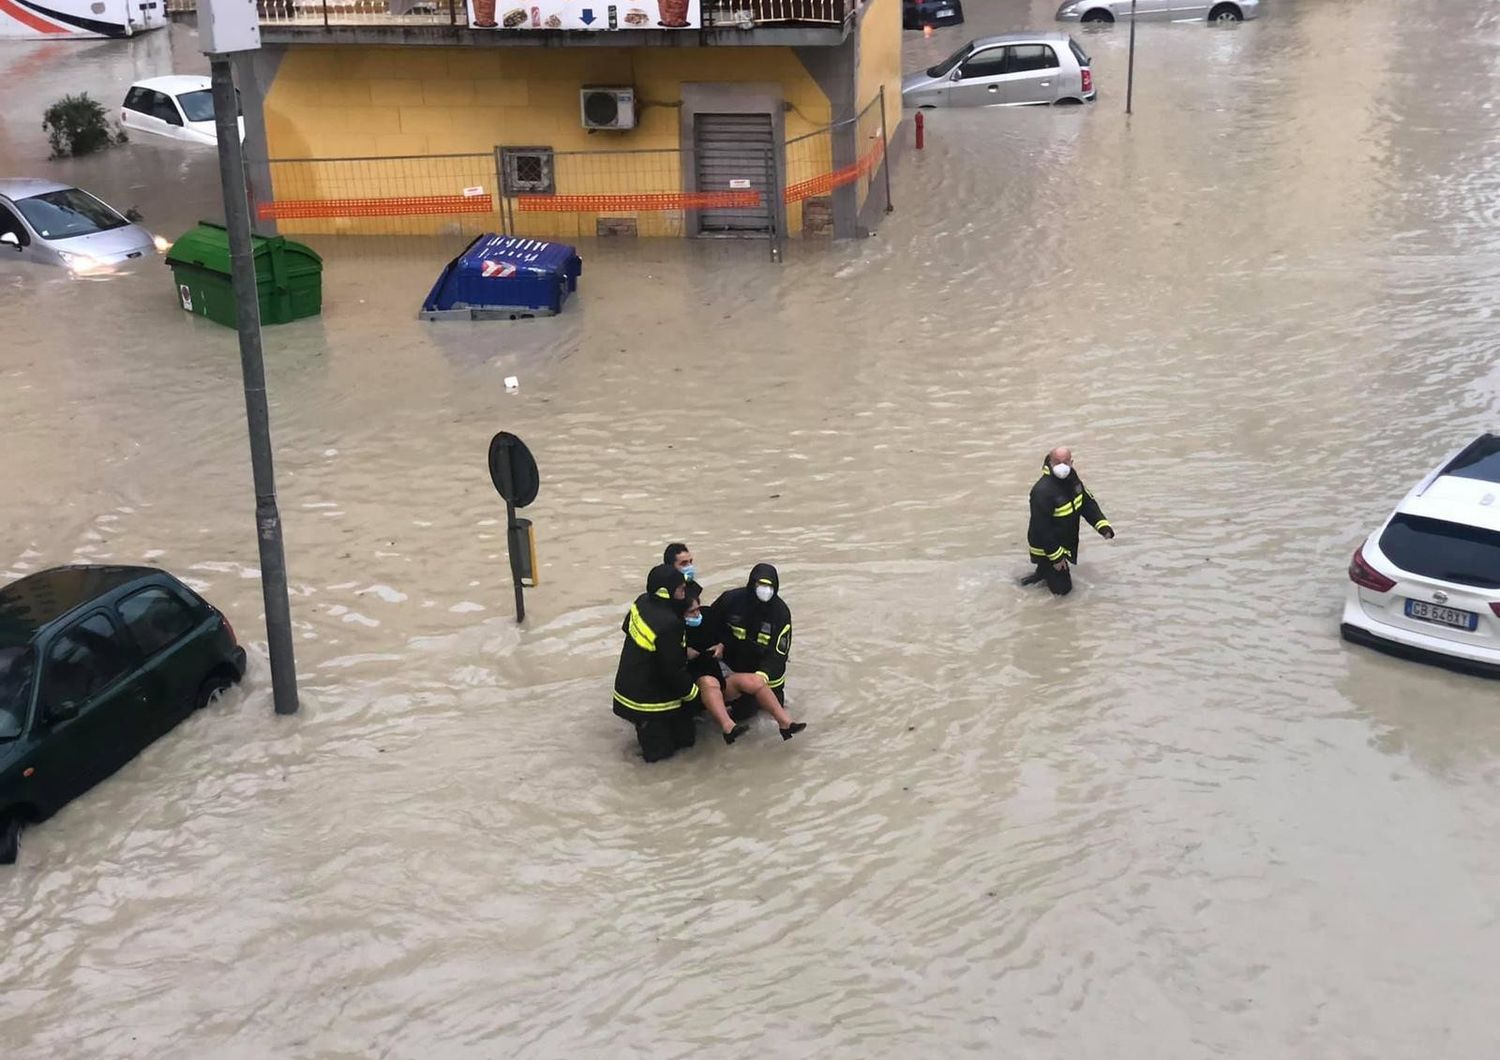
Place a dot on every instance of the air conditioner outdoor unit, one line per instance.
(608, 108)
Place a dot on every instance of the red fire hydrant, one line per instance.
(921, 121)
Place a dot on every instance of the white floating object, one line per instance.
(512, 383)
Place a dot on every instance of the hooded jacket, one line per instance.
(1056, 506)
(757, 636)
(652, 676)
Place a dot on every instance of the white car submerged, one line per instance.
(1426, 585)
(178, 106)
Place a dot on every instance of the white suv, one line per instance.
(1427, 584)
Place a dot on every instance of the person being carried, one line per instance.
(1058, 499)
(756, 626)
(652, 683)
(704, 652)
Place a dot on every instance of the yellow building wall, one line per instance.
(880, 58)
(374, 104)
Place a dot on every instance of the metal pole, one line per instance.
(252, 367)
(773, 204)
(885, 153)
(510, 526)
(1130, 69)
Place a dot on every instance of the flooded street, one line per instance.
(1170, 816)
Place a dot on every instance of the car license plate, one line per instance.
(945, 14)
(1443, 616)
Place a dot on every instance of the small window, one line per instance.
(156, 617)
(10, 224)
(527, 170)
(83, 662)
(985, 64)
(162, 107)
(1028, 57)
(138, 99)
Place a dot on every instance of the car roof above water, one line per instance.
(37, 599)
(25, 187)
(1465, 490)
(1039, 37)
(172, 84)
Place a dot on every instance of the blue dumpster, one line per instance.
(502, 278)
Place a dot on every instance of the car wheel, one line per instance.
(1067, 102)
(1098, 16)
(10, 839)
(1225, 13)
(211, 689)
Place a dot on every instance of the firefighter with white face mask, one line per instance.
(756, 629)
(1058, 500)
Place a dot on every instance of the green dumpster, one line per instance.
(288, 275)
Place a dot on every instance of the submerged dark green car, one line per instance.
(95, 663)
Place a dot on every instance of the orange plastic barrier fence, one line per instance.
(826, 182)
(405, 206)
(656, 201)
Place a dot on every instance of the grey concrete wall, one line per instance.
(254, 74)
(836, 72)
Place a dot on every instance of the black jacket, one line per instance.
(653, 675)
(1056, 506)
(757, 637)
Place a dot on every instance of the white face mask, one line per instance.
(763, 593)
(1062, 470)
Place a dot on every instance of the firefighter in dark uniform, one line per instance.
(653, 689)
(756, 627)
(1058, 500)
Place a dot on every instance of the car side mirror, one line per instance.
(133, 215)
(11, 238)
(62, 712)
(957, 74)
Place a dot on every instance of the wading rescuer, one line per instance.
(652, 685)
(1058, 500)
(757, 629)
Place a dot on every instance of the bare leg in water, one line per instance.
(754, 686)
(713, 702)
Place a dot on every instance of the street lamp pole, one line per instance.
(230, 26)
(1130, 69)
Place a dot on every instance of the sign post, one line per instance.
(224, 27)
(1130, 67)
(513, 471)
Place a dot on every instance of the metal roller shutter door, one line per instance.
(729, 147)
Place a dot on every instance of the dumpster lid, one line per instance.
(207, 246)
(527, 255)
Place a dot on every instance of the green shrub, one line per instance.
(79, 125)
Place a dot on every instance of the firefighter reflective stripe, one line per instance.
(767, 679)
(1069, 508)
(1059, 553)
(763, 639)
(643, 635)
(652, 708)
(784, 641)
(1101, 524)
(738, 631)
(664, 594)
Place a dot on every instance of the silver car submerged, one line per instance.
(1011, 70)
(1158, 10)
(56, 224)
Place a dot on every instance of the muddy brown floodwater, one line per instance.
(1171, 816)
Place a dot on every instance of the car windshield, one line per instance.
(15, 690)
(949, 63)
(198, 106)
(1450, 552)
(68, 213)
